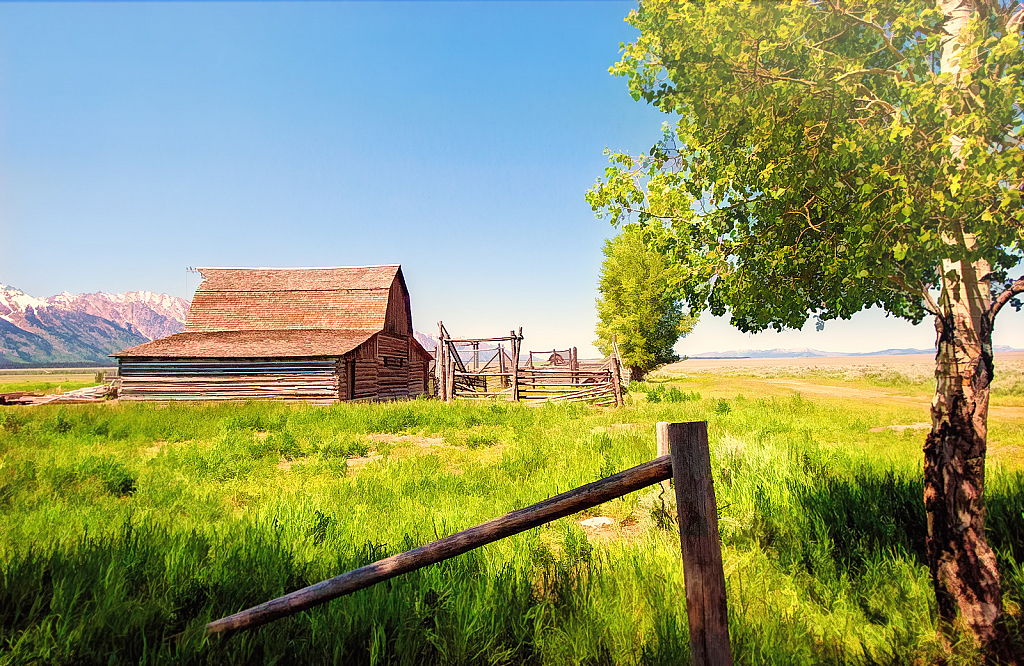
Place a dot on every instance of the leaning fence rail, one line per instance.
(688, 462)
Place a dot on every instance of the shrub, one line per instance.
(673, 394)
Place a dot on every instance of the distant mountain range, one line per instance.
(82, 329)
(815, 353)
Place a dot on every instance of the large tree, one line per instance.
(639, 305)
(832, 155)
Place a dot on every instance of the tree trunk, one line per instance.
(962, 564)
(636, 374)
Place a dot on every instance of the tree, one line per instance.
(639, 304)
(832, 156)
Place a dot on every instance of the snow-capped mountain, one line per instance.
(82, 328)
(150, 315)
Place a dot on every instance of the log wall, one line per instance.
(386, 367)
(393, 366)
(313, 380)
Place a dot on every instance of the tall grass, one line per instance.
(126, 528)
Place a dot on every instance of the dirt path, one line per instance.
(829, 391)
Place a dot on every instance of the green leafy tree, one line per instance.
(639, 303)
(832, 156)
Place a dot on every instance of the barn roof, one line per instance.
(251, 344)
(262, 299)
(279, 312)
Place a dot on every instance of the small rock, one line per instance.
(599, 521)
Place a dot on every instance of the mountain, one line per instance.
(429, 342)
(82, 329)
(815, 353)
(150, 315)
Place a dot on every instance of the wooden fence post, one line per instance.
(698, 535)
(515, 366)
(617, 382)
(440, 365)
(450, 373)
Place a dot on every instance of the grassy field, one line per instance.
(127, 527)
(48, 381)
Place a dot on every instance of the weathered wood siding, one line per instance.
(419, 369)
(393, 366)
(365, 363)
(313, 380)
(417, 378)
(341, 369)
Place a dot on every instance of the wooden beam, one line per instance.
(699, 540)
(617, 382)
(516, 341)
(441, 365)
(557, 507)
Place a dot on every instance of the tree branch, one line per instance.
(879, 30)
(873, 70)
(1004, 297)
(929, 303)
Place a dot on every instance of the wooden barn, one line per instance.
(314, 334)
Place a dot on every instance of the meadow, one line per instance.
(49, 381)
(127, 527)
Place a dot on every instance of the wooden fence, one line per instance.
(554, 376)
(688, 463)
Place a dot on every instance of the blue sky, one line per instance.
(455, 138)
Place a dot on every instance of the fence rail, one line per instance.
(689, 463)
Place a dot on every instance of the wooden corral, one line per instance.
(314, 334)
(560, 376)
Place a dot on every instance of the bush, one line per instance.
(660, 394)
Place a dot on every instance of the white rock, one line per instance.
(599, 521)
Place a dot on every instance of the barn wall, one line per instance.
(314, 380)
(365, 362)
(341, 370)
(393, 366)
(417, 371)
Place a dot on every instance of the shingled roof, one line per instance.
(263, 299)
(279, 312)
(251, 344)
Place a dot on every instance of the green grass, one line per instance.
(43, 387)
(127, 527)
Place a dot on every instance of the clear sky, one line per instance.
(455, 138)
